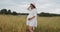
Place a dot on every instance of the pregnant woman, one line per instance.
(32, 18)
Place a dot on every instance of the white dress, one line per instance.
(32, 22)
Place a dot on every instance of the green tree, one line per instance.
(9, 11)
(14, 13)
(3, 11)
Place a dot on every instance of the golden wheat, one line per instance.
(10, 23)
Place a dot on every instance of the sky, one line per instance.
(20, 6)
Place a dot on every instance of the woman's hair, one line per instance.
(33, 5)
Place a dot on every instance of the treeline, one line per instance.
(48, 14)
(8, 12)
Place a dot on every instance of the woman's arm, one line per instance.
(31, 18)
(29, 8)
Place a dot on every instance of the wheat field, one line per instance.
(10, 23)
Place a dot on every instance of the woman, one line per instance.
(32, 18)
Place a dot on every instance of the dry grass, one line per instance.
(10, 23)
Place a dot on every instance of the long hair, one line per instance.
(33, 5)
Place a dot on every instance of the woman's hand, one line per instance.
(29, 19)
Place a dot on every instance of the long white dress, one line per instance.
(32, 22)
